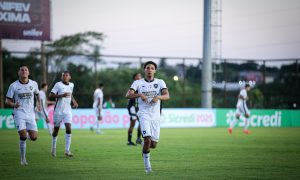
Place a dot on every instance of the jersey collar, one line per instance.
(23, 83)
(148, 80)
(65, 83)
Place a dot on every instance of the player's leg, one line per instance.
(146, 133)
(233, 122)
(247, 121)
(67, 120)
(21, 126)
(57, 120)
(139, 133)
(98, 131)
(155, 128)
(48, 124)
(130, 129)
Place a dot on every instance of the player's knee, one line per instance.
(23, 138)
(153, 144)
(34, 138)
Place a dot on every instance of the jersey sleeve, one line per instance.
(55, 89)
(163, 85)
(135, 85)
(36, 89)
(10, 92)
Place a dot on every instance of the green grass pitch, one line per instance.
(191, 153)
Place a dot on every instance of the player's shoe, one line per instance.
(53, 152)
(246, 132)
(148, 170)
(129, 143)
(230, 130)
(24, 162)
(68, 154)
(138, 141)
(92, 129)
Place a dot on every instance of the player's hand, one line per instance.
(66, 94)
(38, 108)
(75, 104)
(17, 105)
(144, 98)
(154, 100)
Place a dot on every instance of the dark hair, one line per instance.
(66, 72)
(150, 62)
(247, 85)
(23, 65)
(43, 85)
(135, 74)
(100, 84)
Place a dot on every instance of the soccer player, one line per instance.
(150, 93)
(241, 109)
(132, 110)
(43, 114)
(20, 96)
(62, 91)
(97, 106)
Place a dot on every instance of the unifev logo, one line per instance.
(257, 120)
(7, 121)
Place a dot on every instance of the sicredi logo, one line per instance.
(273, 120)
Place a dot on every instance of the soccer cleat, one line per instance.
(138, 141)
(246, 132)
(148, 170)
(68, 154)
(230, 130)
(24, 162)
(129, 143)
(53, 152)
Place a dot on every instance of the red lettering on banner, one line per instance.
(126, 120)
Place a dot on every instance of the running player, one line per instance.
(62, 91)
(97, 106)
(132, 110)
(151, 92)
(20, 96)
(242, 109)
(43, 114)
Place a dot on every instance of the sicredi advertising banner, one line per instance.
(188, 118)
(261, 118)
(119, 118)
(25, 19)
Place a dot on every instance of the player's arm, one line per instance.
(75, 104)
(52, 95)
(38, 102)
(132, 95)
(11, 103)
(163, 97)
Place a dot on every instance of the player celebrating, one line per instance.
(43, 114)
(20, 96)
(62, 91)
(132, 110)
(151, 92)
(241, 108)
(97, 106)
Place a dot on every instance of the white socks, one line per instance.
(246, 123)
(233, 122)
(49, 128)
(146, 157)
(68, 142)
(54, 140)
(98, 126)
(23, 150)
